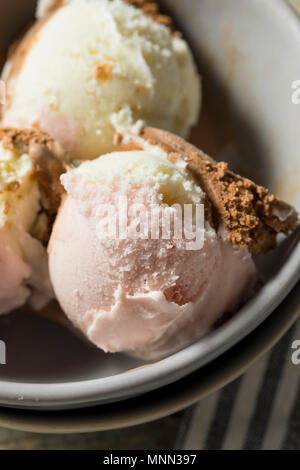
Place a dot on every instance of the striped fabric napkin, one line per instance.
(259, 411)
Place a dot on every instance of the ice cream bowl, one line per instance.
(248, 119)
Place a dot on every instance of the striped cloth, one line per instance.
(259, 411)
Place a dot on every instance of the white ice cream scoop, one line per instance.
(90, 68)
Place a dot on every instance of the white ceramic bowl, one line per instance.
(249, 55)
(166, 400)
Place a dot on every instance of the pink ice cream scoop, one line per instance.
(13, 272)
(133, 287)
(145, 296)
(28, 160)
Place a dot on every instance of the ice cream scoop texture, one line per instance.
(90, 68)
(30, 193)
(149, 297)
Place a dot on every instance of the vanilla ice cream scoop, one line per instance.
(89, 69)
(30, 193)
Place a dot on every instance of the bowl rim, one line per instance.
(121, 386)
(135, 382)
(168, 400)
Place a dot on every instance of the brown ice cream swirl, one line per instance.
(49, 160)
(251, 215)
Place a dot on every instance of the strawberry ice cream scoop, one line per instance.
(29, 199)
(145, 296)
(14, 271)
